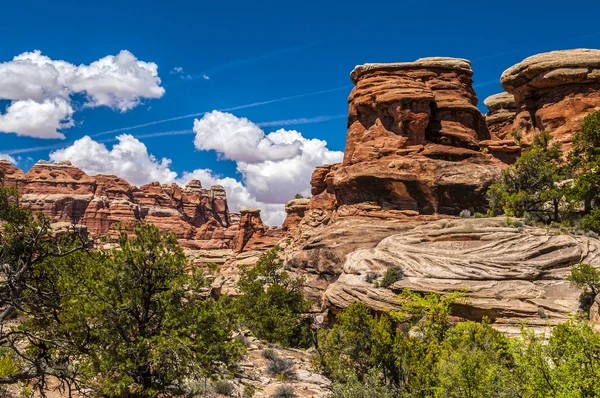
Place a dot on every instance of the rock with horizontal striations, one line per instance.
(413, 139)
(554, 91)
(198, 217)
(294, 210)
(510, 275)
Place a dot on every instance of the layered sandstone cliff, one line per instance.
(198, 216)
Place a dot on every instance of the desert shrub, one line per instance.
(391, 276)
(465, 214)
(281, 367)
(591, 221)
(479, 215)
(224, 387)
(248, 391)
(518, 224)
(269, 353)
(371, 276)
(284, 391)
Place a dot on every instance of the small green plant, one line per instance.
(465, 214)
(269, 353)
(248, 391)
(371, 276)
(281, 367)
(224, 387)
(479, 215)
(518, 224)
(298, 196)
(391, 276)
(284, 391)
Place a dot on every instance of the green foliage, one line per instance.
(281, 367)
(584, 159)
(587, 278)
(426, 356)
(357, 343)
(391, 276)
(271, 303)
(131, 321)
(298, 196)
(476, 361)
(533, 184)
(248, 391)
(284, 391)
(370, 387)
(567, 366)
(591, 221)
(269, 353)
(224, 387)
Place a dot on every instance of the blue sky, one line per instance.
(257, 52)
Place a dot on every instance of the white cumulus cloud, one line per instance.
(274, 167)
(128, 159)
(40, 90)
(9, 158)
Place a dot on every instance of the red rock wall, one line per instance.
(199, 217)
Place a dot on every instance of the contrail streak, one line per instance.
(304, 120)
(486, 83)
(285, 122)
(235, 108)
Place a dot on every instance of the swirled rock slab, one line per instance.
(413, 139)
(554, 91)
(510, 275)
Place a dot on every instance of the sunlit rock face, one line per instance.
(554, 91)
(198, 216)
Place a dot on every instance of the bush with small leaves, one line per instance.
(269, 353)
(391, 276)
(371, 276)
(248, 391)
(224, 387)
(465, 214)
(518, 224)
(281, 367)
(284, 391)
(479, 215)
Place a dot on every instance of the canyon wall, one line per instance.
(198, 216)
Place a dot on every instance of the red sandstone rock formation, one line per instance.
(294, 210)
(554, 91)
(413, 139)
(499, 120)
(199, 217)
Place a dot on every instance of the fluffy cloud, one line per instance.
(274, 167)
(10, 159)
(128, 159)
(40, 90)
(239, 139)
